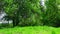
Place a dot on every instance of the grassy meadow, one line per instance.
(31, 30)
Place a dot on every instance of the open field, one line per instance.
(31, 30)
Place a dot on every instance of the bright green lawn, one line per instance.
(30, 30)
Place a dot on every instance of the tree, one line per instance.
(23, 10)
(11, 9)
(51, 12)
(28, 8)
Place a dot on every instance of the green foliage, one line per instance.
(50, 16)
(23, 11)
(29, 12)
(10, 8)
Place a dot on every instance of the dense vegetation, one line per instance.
(31, 12)
(36, 18)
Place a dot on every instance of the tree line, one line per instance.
(31, 12)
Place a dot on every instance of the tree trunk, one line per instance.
(14, 23)
(17, 20)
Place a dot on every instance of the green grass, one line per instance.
(31, 30)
